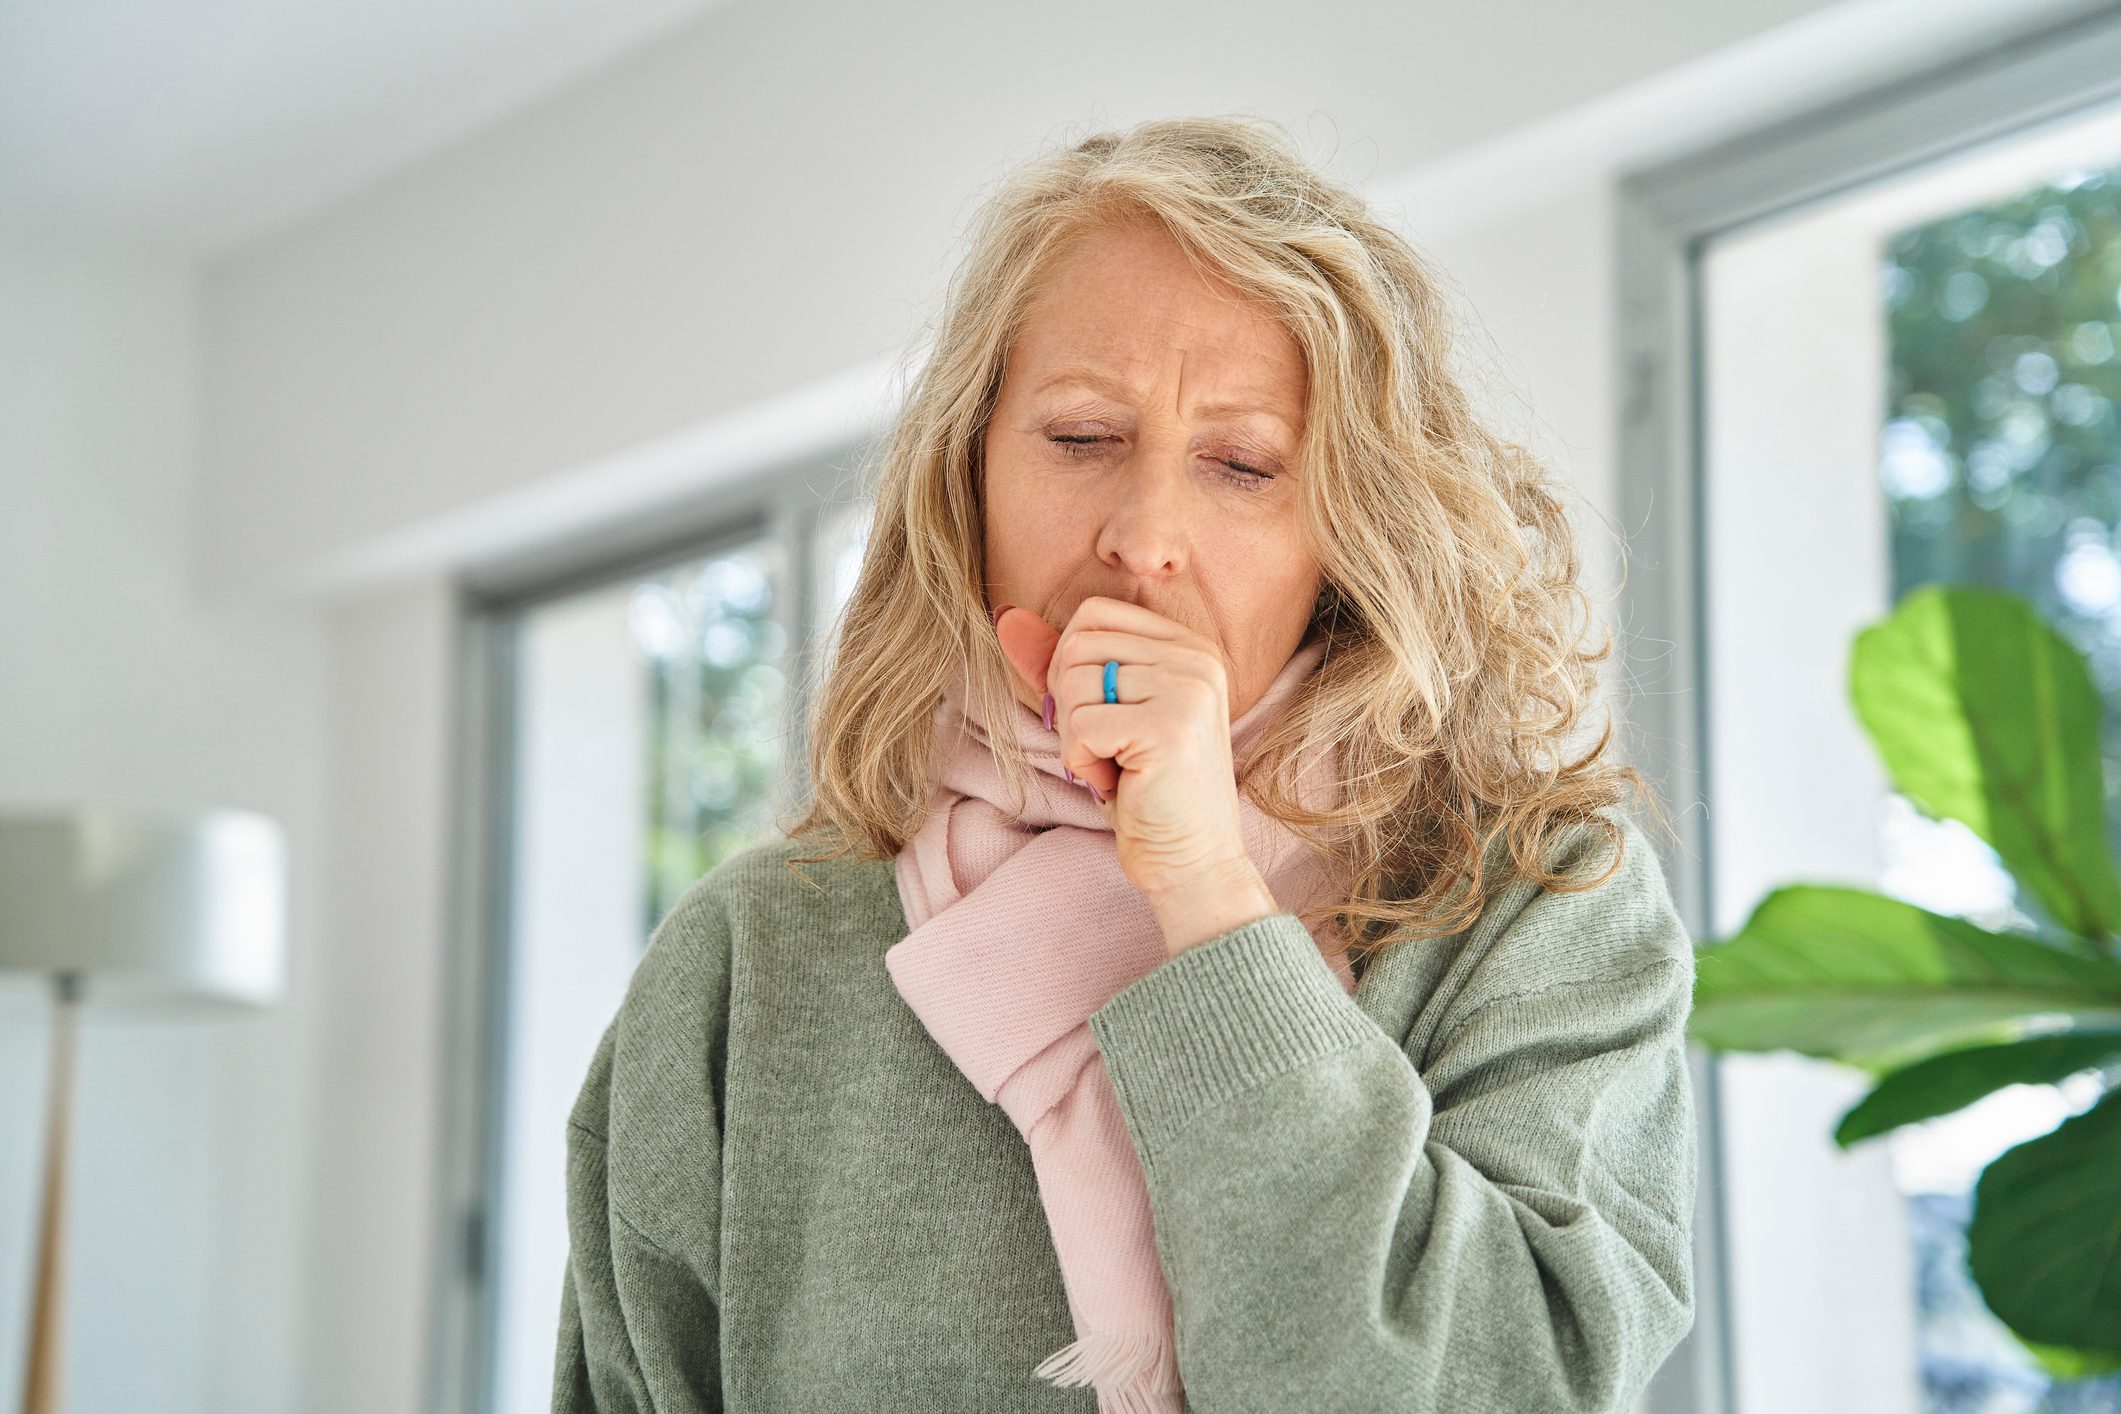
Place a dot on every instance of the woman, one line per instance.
(1271, 1013)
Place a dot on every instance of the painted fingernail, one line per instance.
(999, 610)
(1071, 776)
(1045, 710)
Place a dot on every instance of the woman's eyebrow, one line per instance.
(1105, 383)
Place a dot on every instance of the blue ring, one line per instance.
(1112, 680)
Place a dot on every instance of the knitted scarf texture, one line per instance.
(1020, 927)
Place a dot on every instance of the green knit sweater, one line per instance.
(1466, 1189)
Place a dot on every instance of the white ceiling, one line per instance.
(203, 127)
(206, 124)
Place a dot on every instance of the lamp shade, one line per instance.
(147, 907)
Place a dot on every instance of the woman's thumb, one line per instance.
(1028, 642)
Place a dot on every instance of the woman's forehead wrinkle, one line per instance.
(1258, 380)
(1123, 356)
(1237, 395)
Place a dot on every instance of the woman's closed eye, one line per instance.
(1083, 446)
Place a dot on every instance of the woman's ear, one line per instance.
(1028, 642)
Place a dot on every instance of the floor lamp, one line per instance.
(140, 908)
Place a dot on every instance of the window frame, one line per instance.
(1665, 213)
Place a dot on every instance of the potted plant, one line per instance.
(1985, 714)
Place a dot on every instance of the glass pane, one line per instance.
(2001, 464)
(650, 724)
(716, 657)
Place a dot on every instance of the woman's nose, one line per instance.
(1149, 528)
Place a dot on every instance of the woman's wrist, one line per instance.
(1210, 904)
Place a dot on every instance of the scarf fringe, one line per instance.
(1135, 1372)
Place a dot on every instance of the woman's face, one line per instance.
(1144, 447)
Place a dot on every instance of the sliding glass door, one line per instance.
(1915, 381)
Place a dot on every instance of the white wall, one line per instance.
(375, 1112)
(191, 1181)
(762, 202)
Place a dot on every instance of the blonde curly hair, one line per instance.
(1453, 679)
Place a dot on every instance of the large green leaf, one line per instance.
(1955, 1079)
(1844, 973)
(1984, 714)
(1878, 1064)
(2066, 1364)
(2044, 1245)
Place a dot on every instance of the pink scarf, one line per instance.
(1019, 930)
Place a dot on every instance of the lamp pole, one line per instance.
(41, 1387)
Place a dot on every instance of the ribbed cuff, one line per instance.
(1220, 1019)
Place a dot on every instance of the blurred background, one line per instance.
(439, 427)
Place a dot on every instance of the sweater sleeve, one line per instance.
(1505, 1231)
(639, 1329)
